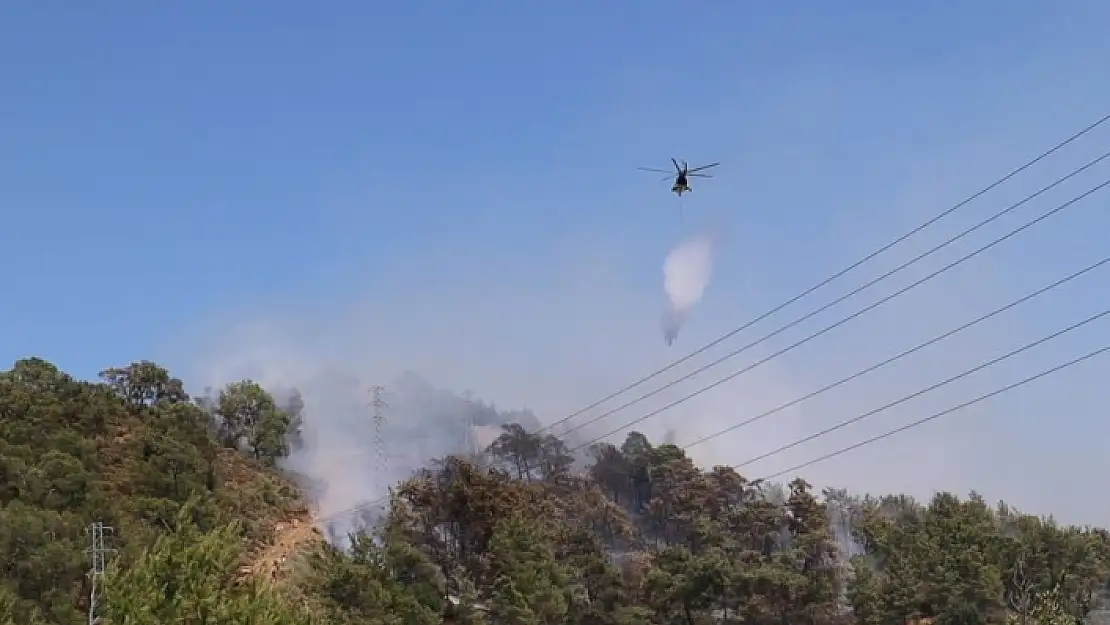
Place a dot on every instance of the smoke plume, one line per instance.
(340, 457)
(686, 272)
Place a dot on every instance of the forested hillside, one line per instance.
(196, 494)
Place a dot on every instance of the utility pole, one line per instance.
(378, 405)
(469, 446)
(97, 531)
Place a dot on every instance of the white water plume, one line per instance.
(686, 273)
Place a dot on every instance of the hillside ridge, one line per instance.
(207, 528)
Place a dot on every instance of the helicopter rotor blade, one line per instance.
(669, 177)
(693, 175)
(661, 171)
(676, 167)
(703, 167)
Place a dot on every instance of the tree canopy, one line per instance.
(522, 534)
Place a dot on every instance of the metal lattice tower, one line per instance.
(470, 447)
(378, 405)
(97, 552)
(475, 453)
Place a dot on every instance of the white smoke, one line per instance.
(686, 273)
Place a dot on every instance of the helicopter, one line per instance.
(682, 173)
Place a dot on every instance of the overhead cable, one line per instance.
(834, 276)
(854, 315)
(940, 414)
(903, 354)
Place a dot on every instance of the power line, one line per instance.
(354, 509)
(903, 354)
(876, 304)
(844, 320)
(940, 414)
(824, 282)
(834, 276)
(928, 389)
(899, 401)
(904, 398)
(913, 424)
(840, 299)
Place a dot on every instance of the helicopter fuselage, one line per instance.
(681, 185)
(681, 175)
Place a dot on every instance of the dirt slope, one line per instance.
(273, 562)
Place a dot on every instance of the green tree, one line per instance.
(530, 587)
(248, 414)
(182, 578)
(129, 451)
(144, 383)
(643, 535)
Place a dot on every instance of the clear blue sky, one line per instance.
(160, 159)
(162, 164)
